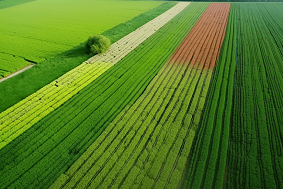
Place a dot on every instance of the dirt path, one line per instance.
(16, 73)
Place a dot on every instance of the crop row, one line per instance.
(274, 23)
(209, 152)
(26, 113)
(23, 115)
(38, 156)
(147, 144)
(255, 145)
(206, 58)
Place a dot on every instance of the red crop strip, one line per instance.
(201, 47)
(191, 43)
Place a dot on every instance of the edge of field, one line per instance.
(6, 3)
(19, 87)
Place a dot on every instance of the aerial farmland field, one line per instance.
(34, 31)
(189, 95)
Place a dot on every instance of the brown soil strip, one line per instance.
(201, 47)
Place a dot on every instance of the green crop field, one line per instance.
(189, 95)
(10, 3)
(37, 30)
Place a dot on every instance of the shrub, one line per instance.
(97, 44)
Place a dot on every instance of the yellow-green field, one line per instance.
(36, 30)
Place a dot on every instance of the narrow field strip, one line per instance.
(147, 144)
(213, 130)
(24, 114)
(29, 111)
(42, 153)
(255, 144)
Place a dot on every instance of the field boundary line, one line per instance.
(16, 73)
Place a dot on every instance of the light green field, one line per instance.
(40, 29)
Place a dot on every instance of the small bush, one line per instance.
(97, 44)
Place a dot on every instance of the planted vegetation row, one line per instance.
(274, 22)
(148, 143)
(23, 115)
(255, 142)
(29, 111)
(208, 157)
(40, 155)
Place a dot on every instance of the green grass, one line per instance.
(17, 88)
(10, 3)
(41, 29)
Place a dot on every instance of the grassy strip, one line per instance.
(19, 87)
(55, 142)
